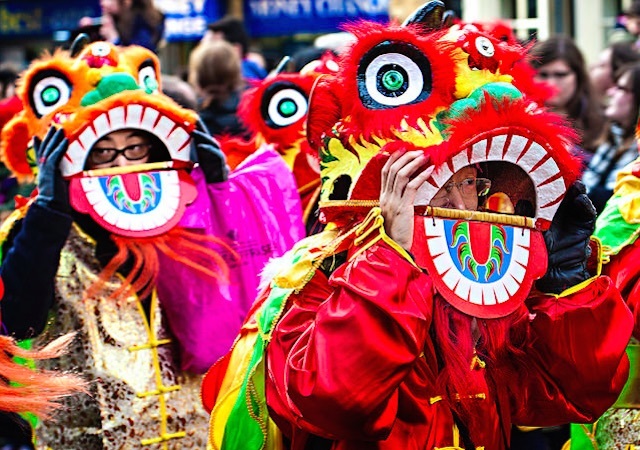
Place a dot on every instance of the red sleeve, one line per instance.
(337, 357)
(575, 358)
(624, 270)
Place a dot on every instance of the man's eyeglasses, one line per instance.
(468, 188)
(131, 152)
(557, 75)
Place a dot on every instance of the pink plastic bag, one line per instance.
(257, 212)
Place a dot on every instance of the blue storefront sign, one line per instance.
(44, 17)
(287, 17)
(187, 20)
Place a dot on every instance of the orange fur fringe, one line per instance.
(35, 391)
(195, 250)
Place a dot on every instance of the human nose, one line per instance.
(456, 199)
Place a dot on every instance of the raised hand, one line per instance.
(53, 191)
(568, 242)
(402, 176)
(209, 155)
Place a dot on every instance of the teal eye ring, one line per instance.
(49, 91)
(283, 104)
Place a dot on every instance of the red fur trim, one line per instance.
(324, 111)
(365, 122)
(250, 110)
(14, 142)
(499, 347)
(520, 116)
(35, 391)
(236, 149)
(200, 252)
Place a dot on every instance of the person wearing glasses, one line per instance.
(121, 148)
(560, 64)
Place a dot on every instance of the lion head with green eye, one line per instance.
(91, 92)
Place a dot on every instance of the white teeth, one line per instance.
(73, 162)
(480, 151)
(177, 141)
(134, 116)
(459, 161)
(488, 297)
(480, 293)
(164, 127)
(174, 137)
(463, 288)
(88, 137)
(116, 116)
(101, 125)
(549, 193)
(497, 148)
(521, 151)
(475, 294)
(165, 210)
(149, 118)
(441, 175)
(533, 156)
(516, 147)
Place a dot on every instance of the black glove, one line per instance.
(208, 155)
(53, 191)
(568, 242)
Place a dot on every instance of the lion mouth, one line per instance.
(172, 134)
(525, 152)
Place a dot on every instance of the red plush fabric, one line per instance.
(355, 360)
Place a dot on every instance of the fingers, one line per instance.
(399, 169)
(203, 137)
(39, 145)
(59, 151)
(56, 143)
(200, 125)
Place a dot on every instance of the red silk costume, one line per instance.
(353, 359)
(357, 343)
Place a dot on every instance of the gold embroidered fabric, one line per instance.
(139, 398)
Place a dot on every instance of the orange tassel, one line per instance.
(35, 391)
(193, 249)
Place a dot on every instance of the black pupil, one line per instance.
(287, 107)
(392, 80)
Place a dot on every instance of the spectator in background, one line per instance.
(560, 64)
(180, 91)
(215, 74)
(232, 30)
(129, 22)
(610, 60)
(620, 147)
(631, 22)
(8, 76)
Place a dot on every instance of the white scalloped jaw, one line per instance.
(135, 204)
(173, 135)
(530, 156)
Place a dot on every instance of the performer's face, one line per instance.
(120, 148)
(462, 190)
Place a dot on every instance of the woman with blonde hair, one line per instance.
(215, 74)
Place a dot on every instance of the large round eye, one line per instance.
(50, 90)
(393, 74)
(283, 103)
(147, 77)
(100, 49)
(485, 47)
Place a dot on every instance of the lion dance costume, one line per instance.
(275, 112)
(618, 228)
(357, 342)
(184, 254)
